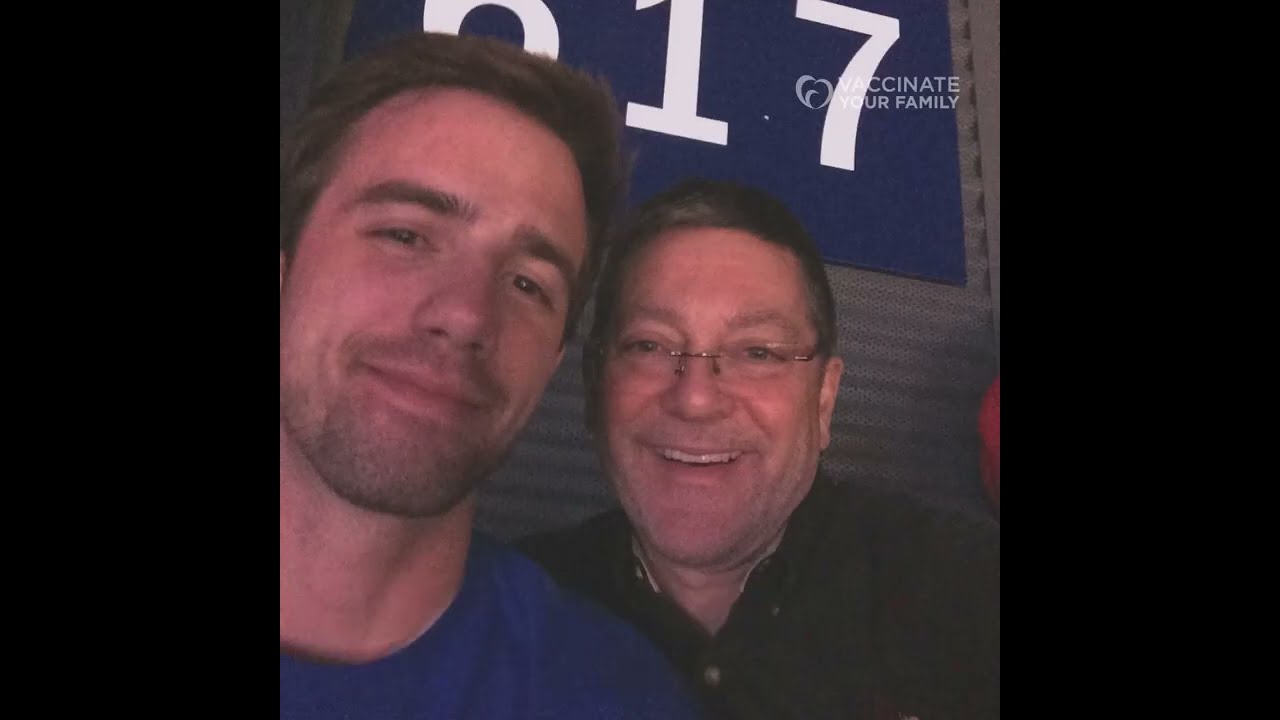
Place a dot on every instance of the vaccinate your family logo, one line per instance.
(912, 93)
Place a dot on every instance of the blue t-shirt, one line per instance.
(512, 645)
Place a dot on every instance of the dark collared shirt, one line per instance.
(873, 606)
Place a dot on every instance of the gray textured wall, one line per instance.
(918, 355)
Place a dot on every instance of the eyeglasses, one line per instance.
(750, 360)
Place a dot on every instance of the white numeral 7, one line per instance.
(840, 127)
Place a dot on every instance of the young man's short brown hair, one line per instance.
(577, 107)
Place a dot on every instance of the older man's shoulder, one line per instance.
(580, 556)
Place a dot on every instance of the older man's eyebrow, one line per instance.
(432, 199)
(651, 312)
(758, 318)
(742, 321)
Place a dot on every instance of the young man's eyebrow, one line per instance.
(437, 201)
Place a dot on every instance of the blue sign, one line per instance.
(845, 110)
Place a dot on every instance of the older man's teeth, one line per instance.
(699, 459)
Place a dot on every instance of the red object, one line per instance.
(989, 432)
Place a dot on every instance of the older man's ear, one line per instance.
(831, 375)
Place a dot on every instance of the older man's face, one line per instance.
(709, 466)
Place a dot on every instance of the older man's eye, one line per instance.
(758, 353)
(639, 347)
(755, 353)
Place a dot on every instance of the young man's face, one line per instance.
(423, 310)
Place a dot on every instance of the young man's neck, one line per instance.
(356, 585)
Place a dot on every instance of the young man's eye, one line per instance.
(402, 236)
(529, 287)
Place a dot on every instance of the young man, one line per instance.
(442, 206)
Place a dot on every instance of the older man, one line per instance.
(712, 374)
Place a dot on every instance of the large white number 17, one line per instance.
(678, 113)
(840, 128)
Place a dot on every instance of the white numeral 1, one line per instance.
(840, 127)
(678, 114)
(541, 35)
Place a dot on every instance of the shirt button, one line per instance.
(711, 675)
(775, 610)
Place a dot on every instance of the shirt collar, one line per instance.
(642, 571)
(803, 529)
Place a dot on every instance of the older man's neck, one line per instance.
(706, 593)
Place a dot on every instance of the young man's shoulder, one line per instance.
(588, 662)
